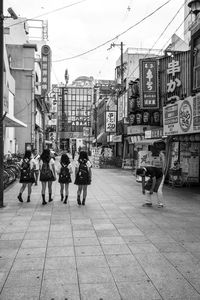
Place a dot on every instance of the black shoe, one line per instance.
(83, 202)
(61, 197)
(44, 202)
(147, 204)
(36, 183)
(28, 199)
(78, 200)
(20, 198)
(50, 199)
(65, 201)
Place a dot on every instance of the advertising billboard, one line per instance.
(182, 117)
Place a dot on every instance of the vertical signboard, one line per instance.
(45, 69)
(120, 108)
(149, 84)
(110, 121)
(123, 106)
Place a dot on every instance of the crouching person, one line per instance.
(152, 185)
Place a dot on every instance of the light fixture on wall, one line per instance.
(194, 5)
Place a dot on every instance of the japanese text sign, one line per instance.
(182, 117)
(110, 121)
(45, 68)
(149, 84)
(123, 107)
(173, 81)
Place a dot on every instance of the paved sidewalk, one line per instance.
(111, 249)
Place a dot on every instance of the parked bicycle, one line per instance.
(11, 170)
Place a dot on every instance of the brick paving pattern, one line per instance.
(110, 249)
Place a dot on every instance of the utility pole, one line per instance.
(122, 67)
(122, 78)
(121, 63)
(1, 102)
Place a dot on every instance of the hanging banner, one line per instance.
(149, 84)
(110, 121)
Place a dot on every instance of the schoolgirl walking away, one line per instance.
(37, 163)
(64, 170)
(47, 173)
(27, 174)
(83, 176)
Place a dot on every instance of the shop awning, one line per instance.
(149, 141)
(11, 121)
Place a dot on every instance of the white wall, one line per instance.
(9, 137)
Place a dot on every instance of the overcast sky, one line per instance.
(81, 25)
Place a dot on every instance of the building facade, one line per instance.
(74, 108)
(30, 104)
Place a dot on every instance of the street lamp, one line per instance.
(2, 17)
(194, 5)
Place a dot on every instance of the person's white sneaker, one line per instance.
(160, 205)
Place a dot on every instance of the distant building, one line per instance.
(131, 59)
(74, 108)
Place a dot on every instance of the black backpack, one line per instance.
(83, 170)
(45, 172)
(25, 171)
(64, 175)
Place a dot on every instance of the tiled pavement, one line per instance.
(111, 249)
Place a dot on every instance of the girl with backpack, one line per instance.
(64, 170)
(83, 176)
(47, 173)
(27, 174)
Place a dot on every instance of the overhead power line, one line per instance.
(162, 35)
(48, 13)
(117, 36)
(167, 26)
(176, 31)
